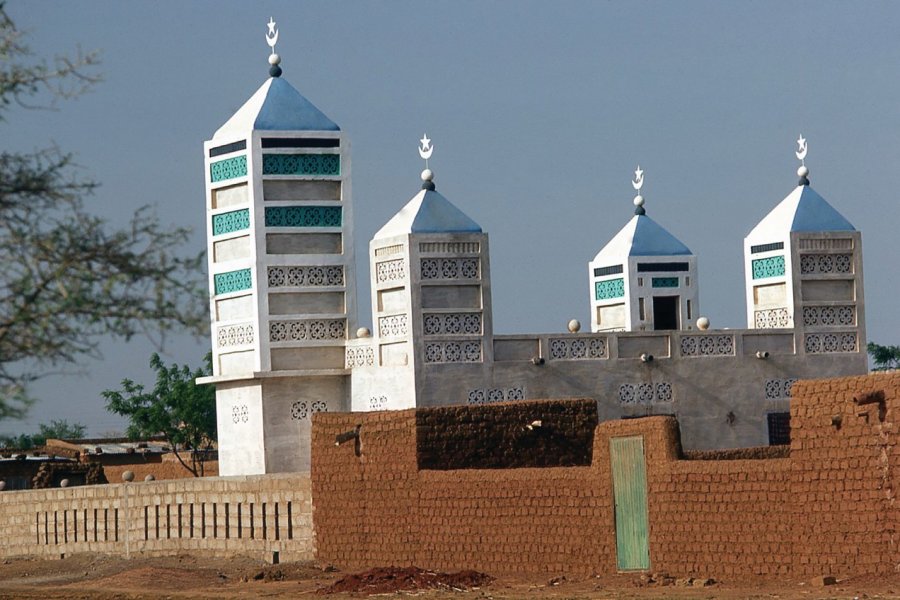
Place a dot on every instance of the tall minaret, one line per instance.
(803, 265)
(281, 274)
(644, 278)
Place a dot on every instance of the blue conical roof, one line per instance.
(428, 212)
(642, 236)
(276, 106)
(802, 210)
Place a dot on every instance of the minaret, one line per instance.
(803, 265)
(644, 278)
(281, 273)
(431, 301)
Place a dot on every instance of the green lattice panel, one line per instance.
(768, 267)
(232, 221)
(301, 164)
(611, 288)
(665, 282)
(228, 168)
(232, 281)
(303, 216)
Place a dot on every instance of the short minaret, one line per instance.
(281, 274)
(644, 278)
(803, 265)
(431, 300)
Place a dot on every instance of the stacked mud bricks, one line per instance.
(264, 516)
(400, 493)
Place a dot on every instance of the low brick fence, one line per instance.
(829, 507)
(269, 517)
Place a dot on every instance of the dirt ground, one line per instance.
(185, 577)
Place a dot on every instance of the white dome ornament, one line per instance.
(637, 184)
(425, 151)
(574, 326)
(803, 171)
(703, 323)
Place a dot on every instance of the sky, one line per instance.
(539, 113)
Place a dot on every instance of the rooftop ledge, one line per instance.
(271, 375)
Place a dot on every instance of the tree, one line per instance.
(884, 357)
(183, 412)
(69, 279)
(57, 429)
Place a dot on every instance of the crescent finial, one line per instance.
(802, 149)
(272, 34)
(638, 182)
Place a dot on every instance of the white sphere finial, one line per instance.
(703, 323)
(638, 200)
(427, 175)
(574, 325)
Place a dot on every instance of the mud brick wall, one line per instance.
(827, 508)
(845, 465)
(506, 435)
(255, 516)
(164, 469)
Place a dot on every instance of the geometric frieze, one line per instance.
(232, 281)
(767, 267)
(611, 288)
(453, 352)
(827, 343)
(480, 397)
(450, 268)
(390, 270)
(305, 276)
(303, 216)
(645, 393)
(311, 329)
(577, 348)
(228, 168)
(829, 315)
(234, 335)
(707, 345)
(452, 324)
(826, 263)
(232, 221)
(301, 164)
(773, 318)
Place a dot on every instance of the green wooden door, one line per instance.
(630, 492)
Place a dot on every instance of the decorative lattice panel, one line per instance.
(827, 343)
(826, 316)
(393, 326)
(450, 268)
(645, 393)
(232, 281)
(230, 168)
(304, 409)
(359, 357)
(767, 267)
(307, 330)
(239, 413)
(452, 324)
(483, 396)
(229, 222)
(577, 348)
(777, 389)
(303, 216)
(826, 263)
(452, 352)
(302, 164)
(305, 276)
(378, 402)
(611, 288)
(707, 345)
(665, 282)
(228, 336)
(390, 270)
(773, 318)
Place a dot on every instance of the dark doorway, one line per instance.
(665, 312)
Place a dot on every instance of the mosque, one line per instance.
(282, 277)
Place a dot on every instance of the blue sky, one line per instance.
(539, 113)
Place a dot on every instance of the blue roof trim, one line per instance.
(286, 109)
(650, 239)
(815, 214)
(436, 214)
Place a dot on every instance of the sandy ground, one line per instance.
(186, 577)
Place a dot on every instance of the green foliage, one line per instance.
(69, 279)
(177, 408)
(884, 357)
(57, 429)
